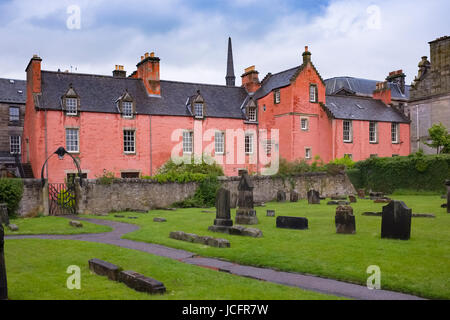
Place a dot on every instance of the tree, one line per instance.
(440, 138)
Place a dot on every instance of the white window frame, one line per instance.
(395, 131)
(312, 93)
(127, 109)
(350, 131)
(72, 133)
(129, 141)
(373, 132)
(219, 142)
(252, 114)
(188, 142)
(198, 110)
(277, 94)
(248, 143)
(71, 109)
(268, 146)
(306, 121)
(15, 147)
(308, 153)
(14, 117)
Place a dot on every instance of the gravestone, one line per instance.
(293, 196)
(141, 283)
(292, 223)
(345, 220)
(447, 183)
(313, 197)
(376, 195)
(246, 213)
(361, 193)
(281, 196)
(223, 214)
(4, 218)
(352, 198)
(271, 213)
(338, 197)
(3, 284)
(396, 221)
(104, 268)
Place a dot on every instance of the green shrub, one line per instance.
(106, 178)
(11, 191)
(204, 197)
(345, 161)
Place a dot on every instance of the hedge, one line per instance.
(415, 172)
(11, 191)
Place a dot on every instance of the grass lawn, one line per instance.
(36, 269)
(53, 225)
(420, 266)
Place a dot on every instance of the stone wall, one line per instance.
(32, 199)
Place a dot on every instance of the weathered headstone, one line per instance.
(13, 227)
(447, 183)
(3, 282)
(313, 197)
(157, 219)
(271, 213)
(104, 268)
(4, 217)
(361, 193)
(141, 283)
(352, 198)
(396, 221)
(292, 222)
(246, 213)
(223, 214)
(293, 196)
(345, 220)
(281, 196)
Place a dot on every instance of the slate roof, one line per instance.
(9, 92)
(361, 108)
(275, 81)
(363, 87)
(99, 94)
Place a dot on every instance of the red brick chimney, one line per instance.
(148, 71)
(397, 77)
(383, 93)
(250, 79)
(33, 71)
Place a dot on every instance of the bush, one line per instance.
(106, 178)
(204, 197)
(11, 191)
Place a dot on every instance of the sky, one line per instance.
(365, 39)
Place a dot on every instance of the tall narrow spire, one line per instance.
(230, 78)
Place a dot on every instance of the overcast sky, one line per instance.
(366, 39)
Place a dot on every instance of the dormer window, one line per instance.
(197, 105)
(126, 106)
(251, 111)
(198, 110)
(71, 102)
(127, 109)
(252, 114)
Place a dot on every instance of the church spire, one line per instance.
(230, 78)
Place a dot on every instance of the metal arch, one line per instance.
(61, 152)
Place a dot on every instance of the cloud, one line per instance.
(191, 37)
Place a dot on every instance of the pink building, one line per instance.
(132, 125)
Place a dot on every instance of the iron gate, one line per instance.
(62, 199)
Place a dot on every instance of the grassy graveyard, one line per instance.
(37, 270)
(419, 266)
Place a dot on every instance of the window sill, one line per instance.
(373, 142)
(250, 122)
(129, 153)
(74, 152)
(349, 142)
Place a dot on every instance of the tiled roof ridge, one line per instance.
(203, 84)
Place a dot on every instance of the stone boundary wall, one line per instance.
(143, 195)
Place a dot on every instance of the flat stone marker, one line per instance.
(338, 203)
(118, 216)
(376, 195)
(292, 222)
(4, 217)
(352, 199)
(104, 268)
(3, 281)
(293, 196)
(246, 213)
(337, 197)
(141, 283)
(396, 221)
(206, 240)
(271, 213)
(281, 196)
(313, 197)
(238, 231)
(345, 220)
(13, 227)
(76, 224)
(159, 219)
(382, 200)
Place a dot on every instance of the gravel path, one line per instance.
(307, 282)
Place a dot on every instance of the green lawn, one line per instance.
(420, 266)
(36, 269)
(53, 225)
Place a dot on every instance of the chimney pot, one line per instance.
(152, 54)
(306, 48)
(251, 68)
(146, 55)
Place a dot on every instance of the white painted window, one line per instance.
(188, 142)
(307, 153)
(71, 106)
(277, 96)
(14, 114)
(14, 144)
(219, 142)
(373, 132)
(127, 109)
(252, 114)
(248, 143)
(129, 141)
(304, 123)
(198, 110)
(348, 131)
(72, 140)
(313, 93)
(268, 146)
(394, 132)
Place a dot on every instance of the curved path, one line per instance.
(307, 282)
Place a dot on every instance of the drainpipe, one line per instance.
(417, 128)
(45, 139)
(151, 151)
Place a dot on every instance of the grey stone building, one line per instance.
(430, 94)
(12, 113)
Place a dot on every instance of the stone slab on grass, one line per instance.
(75, 224)
(104, 268)
(237, 231)
(159, 219)
(298, 223)
(206, 240)
(141, 283)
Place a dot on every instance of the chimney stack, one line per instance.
(397, 77)
(148, 71)
(33, 71)
(119, 72)
(250, 79)
(306, 56)
(383, 93)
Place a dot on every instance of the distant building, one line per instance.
(430, 94)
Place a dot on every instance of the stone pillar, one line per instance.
(345, 220)
(80, 196)
(45, 200)
(447, 183)
(3, 282)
